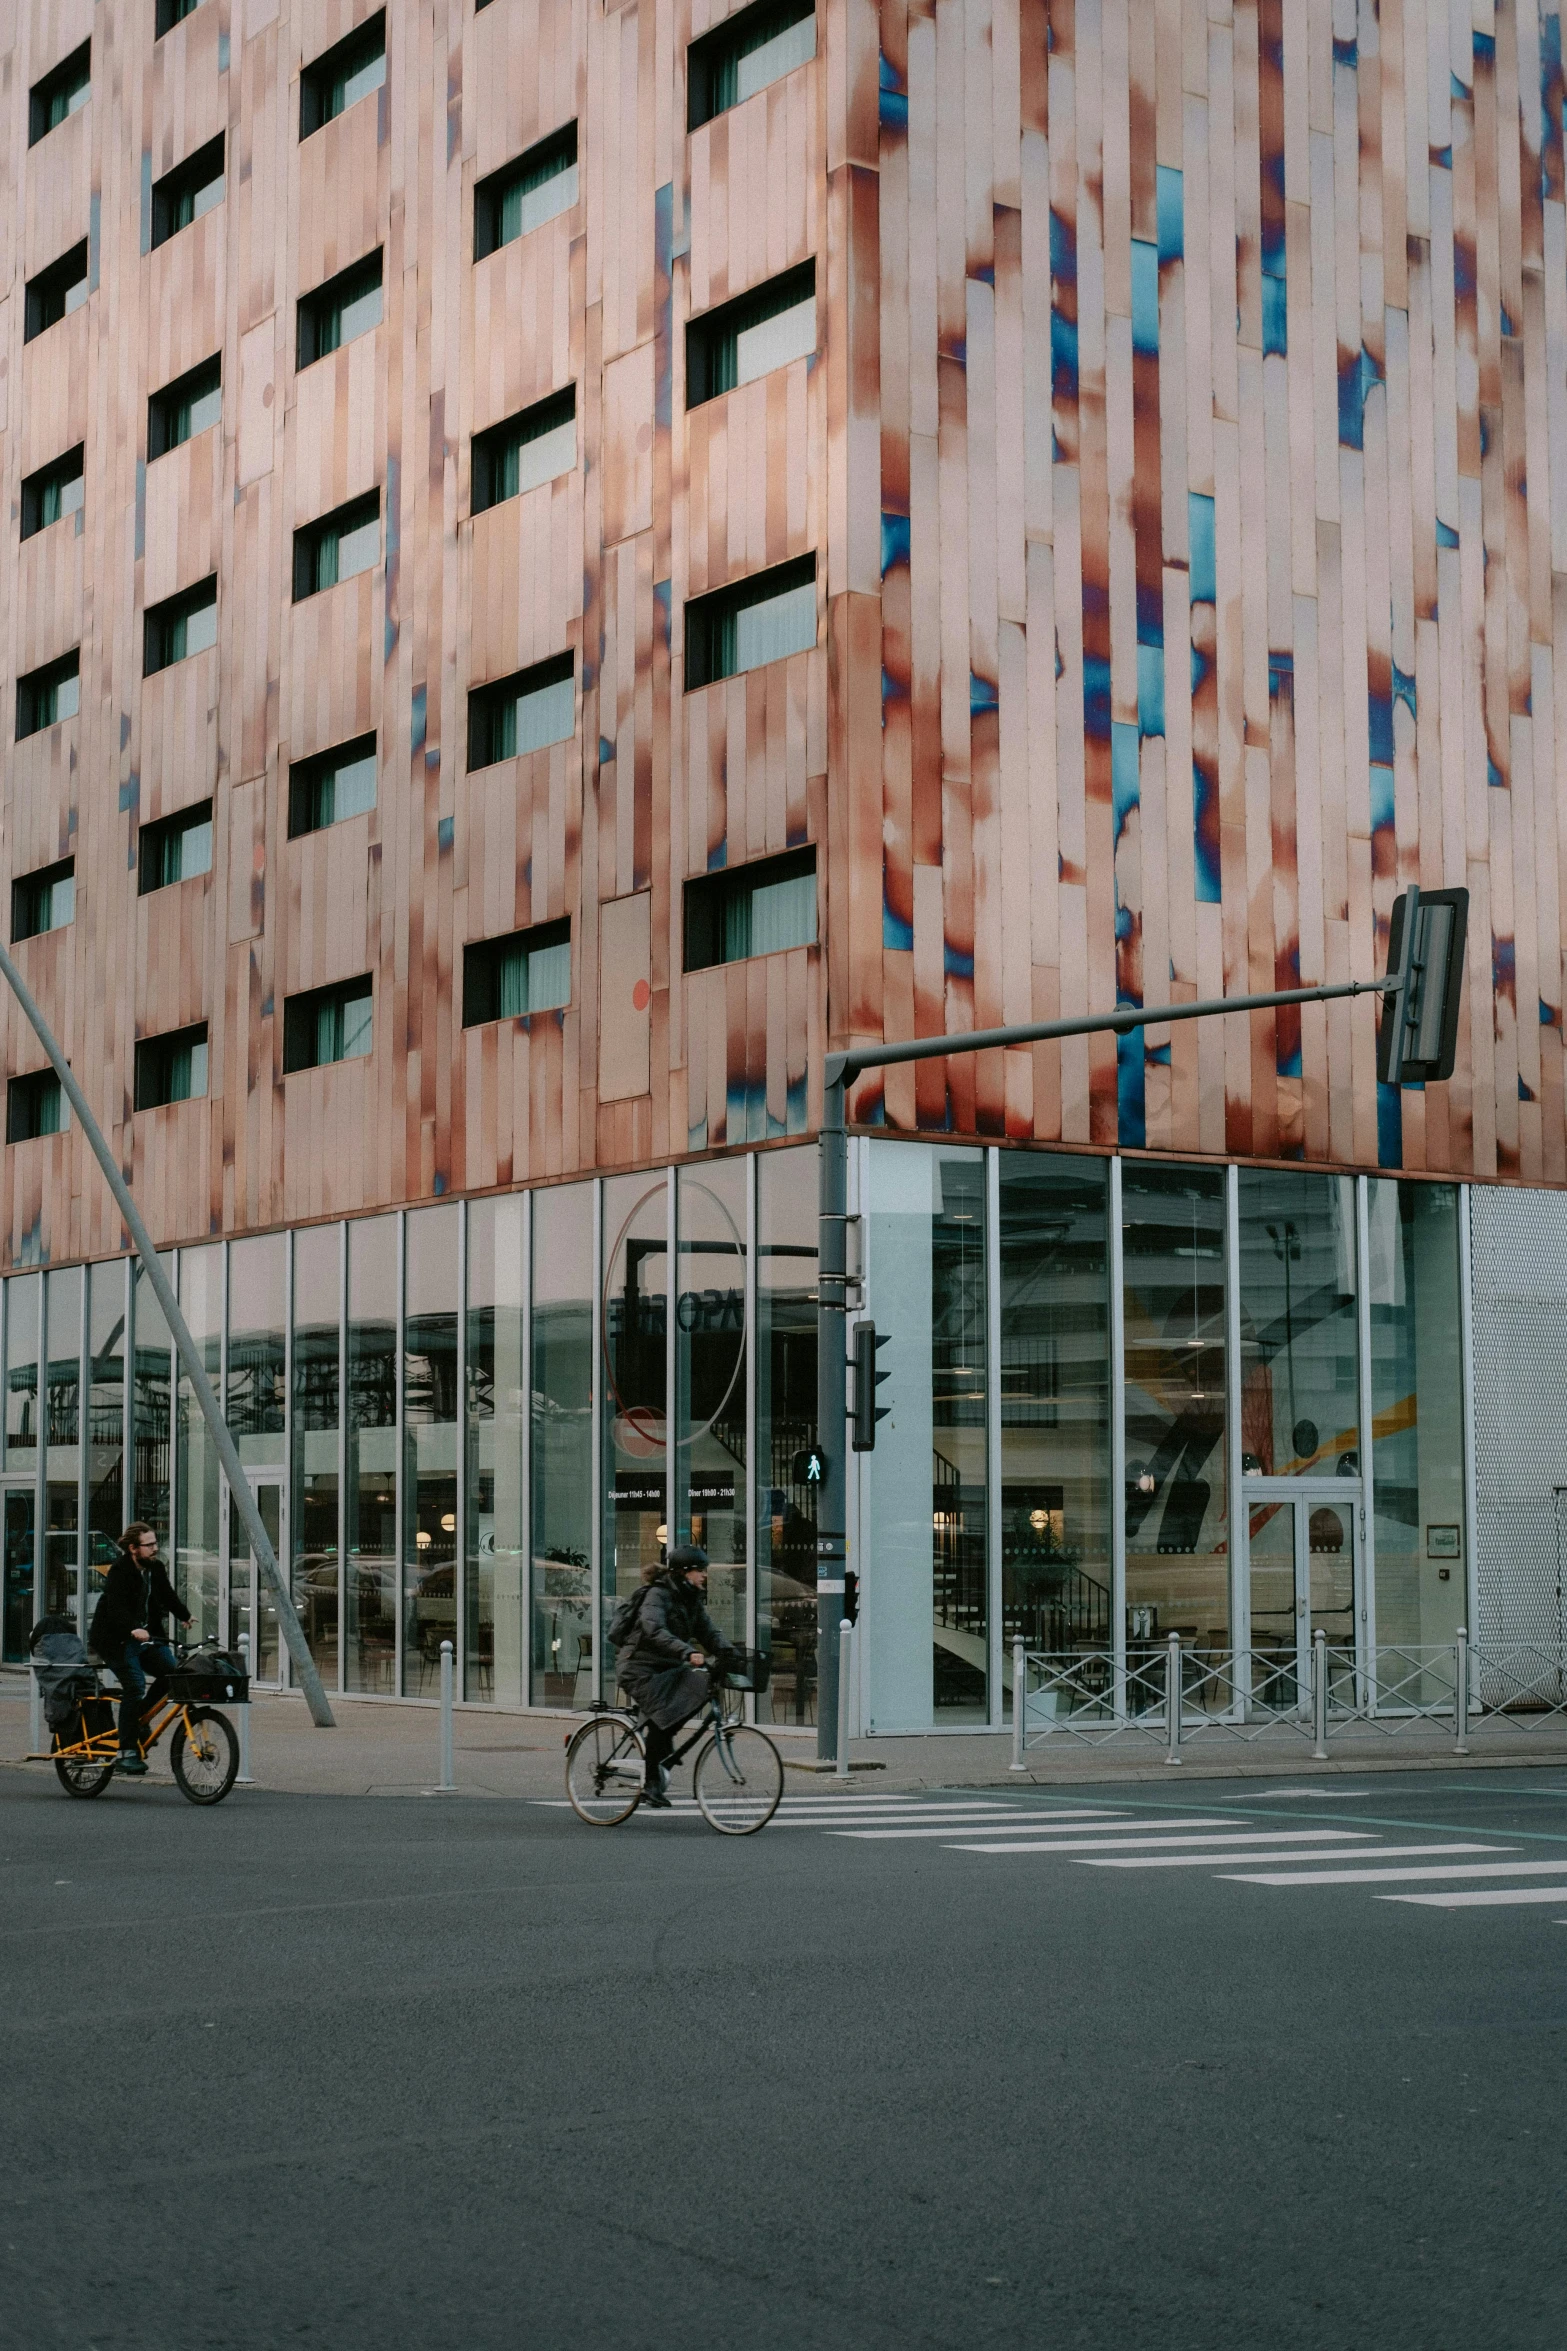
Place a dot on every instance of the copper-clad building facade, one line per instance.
(567, 557)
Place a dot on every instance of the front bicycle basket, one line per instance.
(209, 1677)
(752, 1671)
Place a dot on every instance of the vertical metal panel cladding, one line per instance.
(1519, 1246)
(1173, 432)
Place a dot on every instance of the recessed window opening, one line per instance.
(173, 12)
(757, 909)
(174, 848)
(349, 70)
(339, 310)
(752, 335)
(182, 625)
(331, 786)
(185, 193)
(47, 695)
(327, 1024)
(755, 621)
(44, 901)
(35, 1105)
(171, 1068)
(60, 94)
(505, 979)
(525, 712)
(55, 292)
(525, 450)
(53, 492)
(755, 47)
(526, 193)
(188, 406)
(337, 547)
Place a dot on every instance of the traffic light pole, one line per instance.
(195, 1370)
(832, 1545)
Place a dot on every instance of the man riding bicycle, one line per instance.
(663, 1667)
(130, 1632)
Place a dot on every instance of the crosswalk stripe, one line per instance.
(1357, 1853)
(1482, 1897)
(1124, 1831)
(1122, 1824)
(1218, 1846)
(1388, 1877)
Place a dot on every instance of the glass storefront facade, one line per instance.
(1127, 1398)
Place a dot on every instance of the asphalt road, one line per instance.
(397, 2073)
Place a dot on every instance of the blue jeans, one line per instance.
(130, 1672)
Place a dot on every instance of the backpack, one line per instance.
(623, 1624)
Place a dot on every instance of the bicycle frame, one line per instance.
(104, 1746)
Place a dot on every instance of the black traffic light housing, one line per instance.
(1418, 1039)
(864, 1380)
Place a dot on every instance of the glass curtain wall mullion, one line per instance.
(677, 1521)
(460, 1471)
(750, 1416)
(225, 1498)
(41, 1457)
(1467, 1386)
(525, 1466)
(399, 1429)
(342, 1454)
(1240, 1580)
(596, 1422)
(563, 1404)
(285, 1663)
(1366, 1610)
(1000, 1666)
(1117, 1436)
(711, 1341)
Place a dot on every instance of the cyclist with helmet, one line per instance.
(663, 1667)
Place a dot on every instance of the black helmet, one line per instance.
(684, 1556)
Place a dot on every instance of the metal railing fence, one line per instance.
(1172, 1695)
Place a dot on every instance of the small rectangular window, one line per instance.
(337, 547)
(527, 449)
(757, 46)
(171, 1068)
(526, 193)
(53, 492)
(55, 292)
(185, 193)
(525, 712)
(758, 909)
(344, 307)
(171, 13)
(331, 786)
(349, 70)
(752, 335)
(44, 901)
(47, 695)
(755, 621)
(502, 979)
(174, 849)
(35, 1105)
(327, 1024)
(60, 94)
(182, 625)
(186, 407)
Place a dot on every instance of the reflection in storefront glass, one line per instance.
(786, 1431)
(430, 1393)
(22, 1296)
(497, 1403)
(635, 1308)
(370, 1570)
(561, 1446)
(151, 1406)
(1417, 1413)
(1177, 1548)
(255, 1409)
(198, 1546)
(710, 1370)
(63, 1391)
(317, 1285)
(1299, 1377)
(106, 1497)
(1055, 1405)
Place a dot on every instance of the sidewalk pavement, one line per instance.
(386, 1749)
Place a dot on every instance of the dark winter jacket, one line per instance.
(653, 1669)
(133, 1595)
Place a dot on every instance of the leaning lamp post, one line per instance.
(195, 1370)
(1416, 1043)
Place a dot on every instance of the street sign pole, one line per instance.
(195, 1370)
(839, 1071)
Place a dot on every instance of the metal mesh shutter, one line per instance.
(1520, 1407)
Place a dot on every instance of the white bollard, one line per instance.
(1172, 1698)
(243, 1778)
(448, 1785)
(1019, 1705)
(845, 1700)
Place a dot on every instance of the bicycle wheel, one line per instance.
(738, 1779)
(78, 1775)
(205, 1762)
(604, 1766)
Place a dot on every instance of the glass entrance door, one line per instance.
(1302, 1579)
(252, 1609)
(16, 1622)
